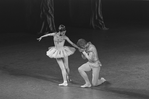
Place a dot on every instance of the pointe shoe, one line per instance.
(86, 86)
(63, 84)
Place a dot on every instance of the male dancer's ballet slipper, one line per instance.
(102, 80)
(86, 86)
(63, 84)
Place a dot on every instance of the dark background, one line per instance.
(24, 15)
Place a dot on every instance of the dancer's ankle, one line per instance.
(68, 79)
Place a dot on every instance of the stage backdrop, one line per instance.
(81, 13)
(24, 15)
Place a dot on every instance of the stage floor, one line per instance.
(27, 73)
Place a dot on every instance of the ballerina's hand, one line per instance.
(39, 39)
(81, 50)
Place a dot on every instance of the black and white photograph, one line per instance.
(74, 49)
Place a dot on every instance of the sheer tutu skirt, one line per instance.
(61, 52)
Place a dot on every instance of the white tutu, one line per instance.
(54, 52)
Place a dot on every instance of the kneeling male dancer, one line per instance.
(89, 52)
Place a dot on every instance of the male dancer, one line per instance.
(89, 52)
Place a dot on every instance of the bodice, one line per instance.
(59, 40)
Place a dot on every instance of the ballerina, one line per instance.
(61, 52)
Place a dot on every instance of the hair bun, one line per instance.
(62, 28)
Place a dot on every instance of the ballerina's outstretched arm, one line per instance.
(48, 34)
(71, 42)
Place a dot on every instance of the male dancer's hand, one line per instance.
(83, 56)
